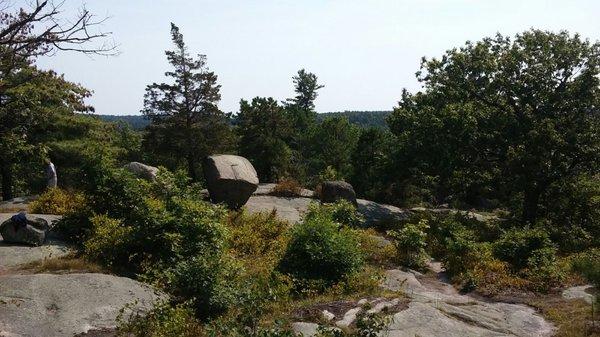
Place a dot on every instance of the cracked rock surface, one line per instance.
(68, 304)
(436, 309)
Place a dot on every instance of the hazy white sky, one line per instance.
(364, 52)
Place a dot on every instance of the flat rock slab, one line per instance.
(290, 209)
(579, 292)
(65, 305)
(437, 310)
(267, 189)
(16, 204)
(12, 255)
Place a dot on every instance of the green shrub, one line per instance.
(207, 282)
(56, 201)
(543, 270)
(164, 320)
(342, 211)
(321, 251)
(588, 265)
(517, 246)
(410, 242)
(109, 242)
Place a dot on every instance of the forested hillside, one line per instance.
(360, 118)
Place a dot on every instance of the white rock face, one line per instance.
(579, 292)
(438, 310)
(441, 311)
(65, 305)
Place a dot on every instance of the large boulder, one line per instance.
(26, 229)
(142, 171)
(230, 179)
(332, 191)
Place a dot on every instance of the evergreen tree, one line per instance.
(263, 129)
(302, 106)
(186, 121)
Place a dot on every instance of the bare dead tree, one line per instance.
(42, 30)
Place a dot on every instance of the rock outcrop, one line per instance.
(230, 179)
(142, 171)
(332, 191)
(27, 229)
(436, 309)
(69, 304)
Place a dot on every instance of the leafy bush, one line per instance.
(321, 251)
(517, 246)
(588, 265)
(207, 281)
(342, 211)
(543, 270)
(287, 187)
(164, 320)
(56, 201)
(410, 242)
(260, 236)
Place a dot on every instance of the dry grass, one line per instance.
(63, 265)
(287, 188)
(569, 316)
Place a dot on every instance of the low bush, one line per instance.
(342, 211)
(517, 246)
(164, 320)
(588, 265)
(56, 201)
(260, 236)
(320, 251)
(207, 282)
(543, 270)
(287, 187)
(410, 242)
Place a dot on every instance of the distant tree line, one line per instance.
(365, 119)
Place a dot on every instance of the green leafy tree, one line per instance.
(186, 121)
(263, 129)
(505, 116)
(30, 103)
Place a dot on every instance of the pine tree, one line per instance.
(186, 121)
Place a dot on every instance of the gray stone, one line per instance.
(579, 292)
(65, 305)
(349, 318)
(267, 189)
(375, 213)
(142, 171)
(230, 179)
(289, 209)
(13, 255)
(32, 231)
(305, 329)
(437, 310)
(332, 191)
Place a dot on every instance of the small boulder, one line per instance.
(22, 228)
(332, 191)
(142, 171)
(230, 179)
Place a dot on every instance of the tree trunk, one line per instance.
(7, 181)
(530, 204)
(192, 167)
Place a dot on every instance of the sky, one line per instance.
(364, 51)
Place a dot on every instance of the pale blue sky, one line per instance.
(364, 52)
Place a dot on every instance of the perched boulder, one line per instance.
(332, 191)
(142, 171)
(230, 179)
(22, 228)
